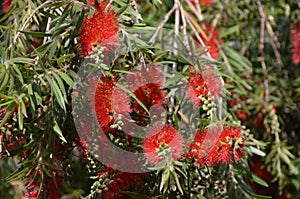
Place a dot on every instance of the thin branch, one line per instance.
(213, 25)
(275, 47)
(261, 50)
(176, 27)
(134, 6)
(196, 25)
(197, 12)
(161, 25)
(185, 37)
(196, 33)
(175, 50)
(108, 5)
(26, 23)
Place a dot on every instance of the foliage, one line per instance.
(238, 58)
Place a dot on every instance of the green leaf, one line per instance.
(61, 85)
(121, 10)
(172, 81)
(22, 60)
(66, 78)
(36, 34)
(23, 108)
(237, 57)
(259, 180)
(59, 132)
(20, 119)
(179, 59)
(57, 92)
(131, 94)
(174, 174)
(17, 174)
(9, 111)
(19, 74)
(164, 180)
(4, 78)
(256, 151)
(134, 195)
(63, 58)
(229, 31)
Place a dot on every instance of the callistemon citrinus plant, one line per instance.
(149, 99)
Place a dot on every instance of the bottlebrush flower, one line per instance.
(207, 2)
(204, 2)
(101, 29)
(107, 95)
(196, 146)
(203, 84)
(296, 43)
(212, 147)
(6, 5)
(162, 143)
(236, 105)
(116, 182)
(146, 85)
(212, 40)
(32, 194)
(198, 89)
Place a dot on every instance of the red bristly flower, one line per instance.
(107, 95)
(210, 148)
(162, 142)
(296, 43)
(213, 40)
(198, 88)
(146, 84)
(118, 182)
(6, 5)
(203, 84)
(207, 2)
(101, 29)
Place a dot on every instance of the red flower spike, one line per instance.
(119, 181)
(224, 150)
(101, 29)
(162, 138)
(32, 194)
(212, 80)
(146, 85)
(6, 5)
(296, 43)
(213, 41)
(199, 88)
(203, 84)
(104, 99)
(207, 2)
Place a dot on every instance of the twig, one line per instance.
(26, 23)
(213, 25)
(161, 25)
(185, 37)
(134, 6)
(108, 5)
(176, 27)
(196, 33)
(261, 50)
(199, 10)
(273, 41)
(196, 25)
(175, 50)
(196, 12)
